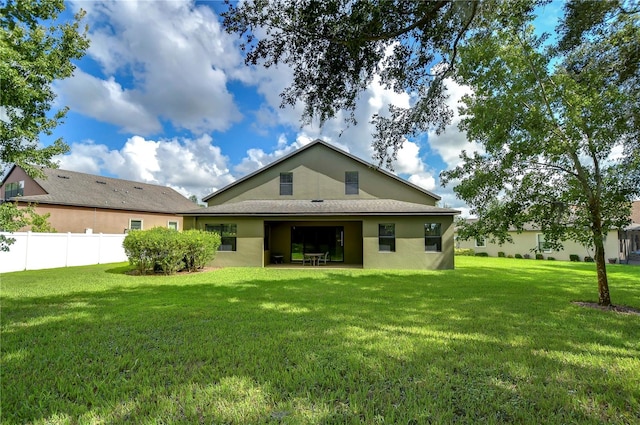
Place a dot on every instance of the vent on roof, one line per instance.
(100, 182)
(63, 177)
(137, 187)
(317, 200)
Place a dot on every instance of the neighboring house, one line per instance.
(531, 241)
(320, 199)
(85, 203)
(630, 237)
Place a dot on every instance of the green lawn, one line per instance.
(495, 341)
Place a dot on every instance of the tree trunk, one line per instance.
(604, 298)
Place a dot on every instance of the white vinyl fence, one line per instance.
(33, 251)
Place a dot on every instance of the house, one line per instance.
(531, 241)
(86, 203)
(320, 199)
(630, 237)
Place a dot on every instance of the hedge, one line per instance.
(169, 250)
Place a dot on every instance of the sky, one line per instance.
(163, 96)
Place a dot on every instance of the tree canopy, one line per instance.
(35, 50)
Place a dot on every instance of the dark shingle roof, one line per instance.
(340, 207)
(87, 190)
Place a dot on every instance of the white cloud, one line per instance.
(164, 60)
(191, 166)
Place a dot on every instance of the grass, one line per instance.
(495, 341)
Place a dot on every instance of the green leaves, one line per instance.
(35, 50)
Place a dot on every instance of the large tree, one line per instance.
(560, 126)
(36, 49)
(337, 47)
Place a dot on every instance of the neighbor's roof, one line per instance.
(87, 190)
(342, 207)
(340, 151)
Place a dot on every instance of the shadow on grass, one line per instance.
(466, 346)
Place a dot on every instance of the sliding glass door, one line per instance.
(319, 239)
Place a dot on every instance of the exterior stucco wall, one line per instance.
(79, 219)
(410, 245)
(249, 242)
(319, 173)
(526, 241)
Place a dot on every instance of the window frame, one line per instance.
(131, 220)
(481, 245)
(351, 185)
(391, 237)
(14, 189)
(176, 223)
(540, 244)
(286, 187)
(225, 230)
(430, 238)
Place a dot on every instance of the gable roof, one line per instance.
(327, 145)
(72, 188)
(341, 207)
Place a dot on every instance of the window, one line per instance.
(351, 183)
(14, 189)
(480, 242)
(542, 245)
(228, 235)
(286, 183)
(173, 225)
(135, 224)
(433, 237)
(387, 237)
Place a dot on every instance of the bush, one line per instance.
(588, 259)
(551, 258)
(526, 256)
(539, 256)
(575, 258)
(510, 256)
(518, 256)
(468, 252)
(169, 251)
(501, 254)
(482, 254)
(200, 248)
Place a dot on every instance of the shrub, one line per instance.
(200, 248)
(551, 258)
(510, 256)
(518, 256)
(169, 251)
(501, 254)
(465, 252)
(526, 256)
(539, 256)
(482, 254)
(136, 248)
(588, 259)
(575, 258)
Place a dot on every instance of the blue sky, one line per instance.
(163, 96)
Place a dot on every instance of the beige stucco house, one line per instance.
(320, 200)
(531, 241)
(82, 203)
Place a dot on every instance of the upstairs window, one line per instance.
(433, 237)
(387, 237)
(14, 189)
(351, 183)
(228, 235)
(543, 246)
(480, 242)
(135, 224)
(173, 225)
(286, 183)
